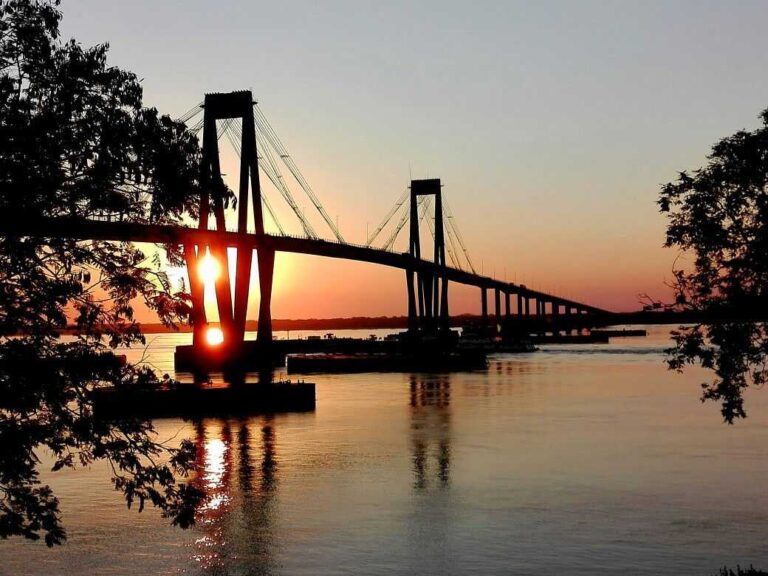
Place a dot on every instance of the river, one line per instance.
(571, 460)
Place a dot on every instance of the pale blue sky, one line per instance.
(552, 124)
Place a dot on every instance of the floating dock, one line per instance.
(346, 354)
(591, 338)
(492, 346)
(188, 400)
(251, 355)
(625, 332)
(337, 363)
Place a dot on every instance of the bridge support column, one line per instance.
(507, 331)
(579, 321)
(232, 315)
(224, 294)
(556, 318)
(432, 284)
(540, 316)
(427, 293)
(445, 318)
(413, 320)
(266, 259)
(484, 307)
(528, 322)
(497, 308)
(196, 291)
(242, 288)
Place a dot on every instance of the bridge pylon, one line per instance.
(213, 200)
(428, 299)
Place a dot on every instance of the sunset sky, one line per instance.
(551, 124)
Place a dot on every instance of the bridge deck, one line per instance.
(82, 229)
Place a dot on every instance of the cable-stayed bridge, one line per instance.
(238, 119)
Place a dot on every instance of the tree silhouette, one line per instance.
(76, 141)
(719, 214)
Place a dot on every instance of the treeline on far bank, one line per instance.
(458, 321)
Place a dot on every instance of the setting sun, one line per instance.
(214, 336)
(209, 268)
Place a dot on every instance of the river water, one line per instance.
(571, 460)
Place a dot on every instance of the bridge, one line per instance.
(426, 281)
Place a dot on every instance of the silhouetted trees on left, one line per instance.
(76, 141)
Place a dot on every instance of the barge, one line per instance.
(192, 400)
(342, 363)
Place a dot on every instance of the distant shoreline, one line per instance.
(401, 322)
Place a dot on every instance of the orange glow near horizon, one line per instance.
(214, 336)
(308, 287)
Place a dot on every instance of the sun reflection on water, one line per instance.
(215, 452)
(238, 492)
(213, 444)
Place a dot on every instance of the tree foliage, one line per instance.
(719, 215)
(76, 141)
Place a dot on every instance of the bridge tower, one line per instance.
(428, 301)
(232, 315)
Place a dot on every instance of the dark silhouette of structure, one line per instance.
(232, 318)
(428, 304)
(430, 401)
(427, 281)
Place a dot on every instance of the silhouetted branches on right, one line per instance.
(719, 216)
(751, 571)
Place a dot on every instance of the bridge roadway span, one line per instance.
(84, 229)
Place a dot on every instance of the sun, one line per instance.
(209, 268)
(214, 336)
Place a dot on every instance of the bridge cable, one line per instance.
(452, 241)
(279, 182)
(459, 237)
(403, 219)
(191, 113)
(223, 128)
(387, 218)
(282, 152)
(233, 139)
(268, 206)
(449, 246)
(229, 129)
(272, 171)
(271, 136)
(195, 129)
(396, 231)
(431, 225)
(424, 216)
